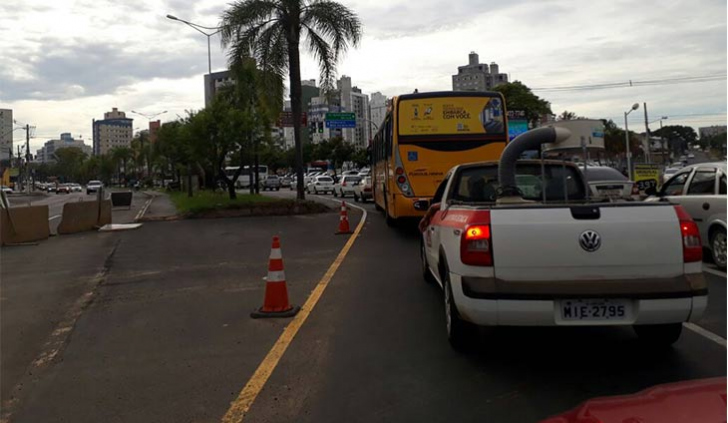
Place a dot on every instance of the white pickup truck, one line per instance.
(523, 245)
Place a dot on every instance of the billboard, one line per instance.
(451, 116)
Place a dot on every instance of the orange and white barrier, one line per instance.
(275, 303)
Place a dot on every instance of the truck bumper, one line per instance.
(494, 311)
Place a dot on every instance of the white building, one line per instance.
(377, 110)
(6, 134)
(115, 130)
(476, 76)
(213, 82)
(353, 100)
(46, 154)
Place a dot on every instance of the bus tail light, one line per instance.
(476, 246)
(691, 243)
(399, 171)
(401, 180)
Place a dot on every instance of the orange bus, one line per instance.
(423, 136)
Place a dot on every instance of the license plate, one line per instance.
(595, 309)
(611, 193)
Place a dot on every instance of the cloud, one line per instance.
(75, 69)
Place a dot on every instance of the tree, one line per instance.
(678, 137)
(270, 31)
(567, 115)
(361, 157)
(121, 156)
(519, 97)
(69, 161)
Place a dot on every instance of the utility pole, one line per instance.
(647, 135)
(27, 156)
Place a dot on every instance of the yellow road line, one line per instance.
(240, 406)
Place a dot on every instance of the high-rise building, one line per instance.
(46, 154)
(353, 100)
(710, 131)
(476, 76)
(213, 82)
(154, 126)
(378, 110)
(6, 134)
(115, 130)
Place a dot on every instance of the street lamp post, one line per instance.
(662, 139)
(149, 117)
(627, 151)
(197, 27)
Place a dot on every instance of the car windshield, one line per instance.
(325, 179)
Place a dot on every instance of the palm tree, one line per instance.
(270, 32)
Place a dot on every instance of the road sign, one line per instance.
(341, 116)
(339, 124)
(647, 177)
(286, 119)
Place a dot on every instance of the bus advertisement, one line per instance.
(424, 136)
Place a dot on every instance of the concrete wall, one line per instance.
(84, 216)
(23, 224)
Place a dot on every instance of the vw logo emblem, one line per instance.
(590, 241)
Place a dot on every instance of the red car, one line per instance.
(701, 400)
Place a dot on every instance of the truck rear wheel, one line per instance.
(659, 335)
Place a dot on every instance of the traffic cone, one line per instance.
(343, 221)
(276, 302)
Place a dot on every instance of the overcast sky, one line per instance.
(66, 62)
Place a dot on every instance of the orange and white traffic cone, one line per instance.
(276, 302)
(343, 221)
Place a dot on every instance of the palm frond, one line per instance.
(244, 15)
(334, 22)
(323, 54)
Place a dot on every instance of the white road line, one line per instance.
(144, 209)
(705, 333)
(714, 272)
(54, 217)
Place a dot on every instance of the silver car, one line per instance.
(701, 190)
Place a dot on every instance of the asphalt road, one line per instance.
(378, 341)
(165, 334)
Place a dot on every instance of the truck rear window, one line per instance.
(480, 184)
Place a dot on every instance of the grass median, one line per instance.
(206, 204)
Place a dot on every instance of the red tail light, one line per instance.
(399, 171)
(343, 184)
(476, 246)
(401, 179)
(692, 246)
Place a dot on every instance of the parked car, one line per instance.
(701, 190)
(286, 182)
(319, 184)
(6, 189)
(691, 156)
(76, 188)
(345, 185)
(350, 172)
(63, 189)
(93, 186)
(272, 182)
(363, 190)
(607, 183)
(51, 187)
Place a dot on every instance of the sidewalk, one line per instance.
(161, 207)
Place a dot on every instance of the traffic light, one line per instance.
(321, 127)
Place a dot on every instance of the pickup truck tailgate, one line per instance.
(636, 241)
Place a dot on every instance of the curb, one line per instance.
(144, 209)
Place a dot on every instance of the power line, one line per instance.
(634, 83)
